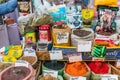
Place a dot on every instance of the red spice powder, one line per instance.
(99, 67)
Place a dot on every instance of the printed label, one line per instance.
(62, 38)
(56, 55)
(78, 78)
(29, 52)
(84, 46)
(75, 58)
(109, 77)
(21, 63)
(43, 35)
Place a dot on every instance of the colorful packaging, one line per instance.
(44, 33)
(58, 13)
(106, 20)
(87, 17)
(112, 3)
(61, 35)
(30, 37)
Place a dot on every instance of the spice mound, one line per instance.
(76, 69)
(54, 65)
(81, 33)
(16, 73)
(4, 65)
(99, 67)
(48, 77)
(30, 59)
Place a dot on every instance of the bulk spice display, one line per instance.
(46, 26)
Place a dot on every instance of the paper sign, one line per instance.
(84, 46)
(62, 38)
(78, 78)
(56, 55)
(50, 72)
(75, 58)
(98, 59)
(29, 52)
(21, 63)
(1, 58)
(118, 63)
(109, 77)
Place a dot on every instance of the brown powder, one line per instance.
(30, 59)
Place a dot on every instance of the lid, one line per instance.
(58, 23)
(43, 27)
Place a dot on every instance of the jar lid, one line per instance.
(43, 27)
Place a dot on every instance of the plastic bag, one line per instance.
(58, 13)
(87, 17)
(112, 3)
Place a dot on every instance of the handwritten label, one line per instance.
(62, 38)
(118, 63)
(1, 58)
(50, 72)
(29, 52)
(21, 63)
(84, 46)
(56, 55)
(75, 58)
(78, 78)
(109, 77)
(98, 59)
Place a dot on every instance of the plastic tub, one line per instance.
(31, 75)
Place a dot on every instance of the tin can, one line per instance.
(44, 33)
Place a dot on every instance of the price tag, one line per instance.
(84, 46)
(1, 58)
(109, 77)
(50, 72)
(62, 38)
(29, 52)
(21, 63)
(98, 59)
(75, 58)
(118, 63)
(78, 78)
(56, 55)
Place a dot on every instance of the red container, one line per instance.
(44, 32)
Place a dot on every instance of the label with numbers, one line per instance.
(29, 52)
(75, 58)
(78, 78)
(109, 77)
(50, 72)
(56, 55)
(118, 63)
(84, 46)
(21, 63)
(98, 59)
(62, 38)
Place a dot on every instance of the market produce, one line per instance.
(99, 67)
(4, 66)
(15, 73)
(31, 59)
(76, 69)
(43, 55)
(48, 77)
(54, 65)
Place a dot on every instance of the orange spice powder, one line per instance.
(76, 69)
